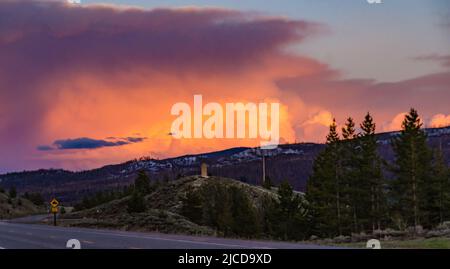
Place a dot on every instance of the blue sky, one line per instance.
(364, 40)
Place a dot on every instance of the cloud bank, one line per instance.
(91, 71)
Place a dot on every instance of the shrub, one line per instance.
(12, 192)
(136, 204)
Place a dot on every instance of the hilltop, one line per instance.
(165, 208)
(17, 207)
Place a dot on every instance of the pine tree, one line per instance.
(333, 136)
(192, 206)
(12, 192)
(351, 184)
(412, 171)
(348, 131)
(287, 200)
(291, 213)
(142, 183)
(324, 188)
(136, 203)
(439, 191)
(373, 187)
(217, 207)
(244, 214)
(333, 142)
(268, 215)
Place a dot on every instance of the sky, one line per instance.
(90, 84)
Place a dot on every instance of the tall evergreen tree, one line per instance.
(373, 187)
(291, 213)
(244, 214)
(412, 171)
(351, 190)
(142, 183)
(333, 142)
(333, 136)
(324, 188)
(439, 191)
(349, 131)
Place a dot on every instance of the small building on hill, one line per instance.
(204, 170)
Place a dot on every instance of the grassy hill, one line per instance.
(164, 208)
(17, 207)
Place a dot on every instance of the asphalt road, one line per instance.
(35, 236)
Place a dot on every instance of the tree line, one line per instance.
(352, 189)
(232, 211)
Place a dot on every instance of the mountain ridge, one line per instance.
(292, 162)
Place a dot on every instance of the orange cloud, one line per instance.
(81, 78)
(395, 124)
(77, 77)
(440, 120)
(316, 127)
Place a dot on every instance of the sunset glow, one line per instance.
(110, 74)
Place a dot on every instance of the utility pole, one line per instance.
(263, 168)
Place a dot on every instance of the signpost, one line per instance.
(54, 209)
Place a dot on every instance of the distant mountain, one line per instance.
(292, 162)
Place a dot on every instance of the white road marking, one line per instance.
(148, 237)
(139, 236)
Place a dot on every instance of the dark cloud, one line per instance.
(86, 143)
(70, 38)
(89, 143)
(44, 148)
(135, 139)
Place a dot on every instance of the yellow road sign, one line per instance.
(54, 209)
(54, 203)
